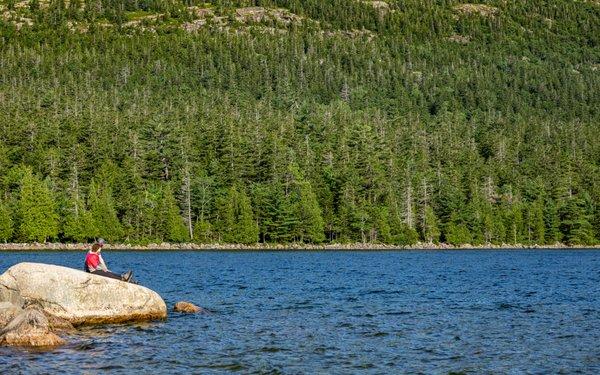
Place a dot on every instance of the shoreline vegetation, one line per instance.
(283, 122)
(165, 246)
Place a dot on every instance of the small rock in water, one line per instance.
(29, 328)
(186, 307)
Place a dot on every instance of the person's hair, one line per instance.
(96, 247)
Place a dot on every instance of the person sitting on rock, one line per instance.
(95, 264)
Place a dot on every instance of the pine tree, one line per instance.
(457, 232)
(170, 224)
(309, 213)
(513, 223)
(237, 223)
(405, 235)
(204, 232)
(400, 233)
(78, 222)
(6, 223)
(535, 224)
(575, 224)
(36, 210)
(430, 231)
(104, 214)
(381, 224)
(552, 232)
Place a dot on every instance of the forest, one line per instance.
(300, 121)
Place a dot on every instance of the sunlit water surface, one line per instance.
(343, 312)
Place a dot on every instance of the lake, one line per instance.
(483, 311)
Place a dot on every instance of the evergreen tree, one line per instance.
(404, 235)
(204, 232)
(309, 213)
(552, 232)
(6, 223)
(430, 231)
(170, 224)
(238, 224)
(78, 222)
(38, 220)
(381, 223)
(458, 234)
(535, 224)
(575, 224)
(371, 105)
(103, 213)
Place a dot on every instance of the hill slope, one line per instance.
(289, 120)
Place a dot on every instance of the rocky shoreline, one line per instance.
(260, 246)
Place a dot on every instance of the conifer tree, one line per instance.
(238, 224)
(204, 232)
(381, 224)
(6, 223)
(78, 222)
(36, 210)
(575, 223)
(309, 214)
(552, 232)
(457, 232)
(405, 235)
(170, 224)
(430, 231)
(103, 213)
(535, 224)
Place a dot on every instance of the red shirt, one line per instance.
(92, 260)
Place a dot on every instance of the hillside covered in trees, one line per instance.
(311, 121)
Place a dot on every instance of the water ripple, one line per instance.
(344, 312)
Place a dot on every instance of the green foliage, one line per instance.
(203, 232)
(238, 224)
(404, 235)
(429, 228)
(458, 234)
(170, 225)
(552, 232)
(6, 223)
(536, 228)
(309, 213)
(78, 223)
(103, 213)
(575, 222)
(418, 122)
(38, 220)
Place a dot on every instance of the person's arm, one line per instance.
(102, 265)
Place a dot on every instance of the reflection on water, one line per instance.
(343, 312)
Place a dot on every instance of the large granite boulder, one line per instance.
(77, 296)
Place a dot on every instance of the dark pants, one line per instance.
(112, 275)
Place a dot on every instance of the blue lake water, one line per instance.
(343, 312)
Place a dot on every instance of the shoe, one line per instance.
(127, 275)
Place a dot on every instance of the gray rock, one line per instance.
(79, 297)
(29, 328)
(7, 312)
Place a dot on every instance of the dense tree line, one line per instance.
(320, 133)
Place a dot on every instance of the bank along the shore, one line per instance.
(53, 246)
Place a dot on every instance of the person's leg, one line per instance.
(112, 275)
(127, 275)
